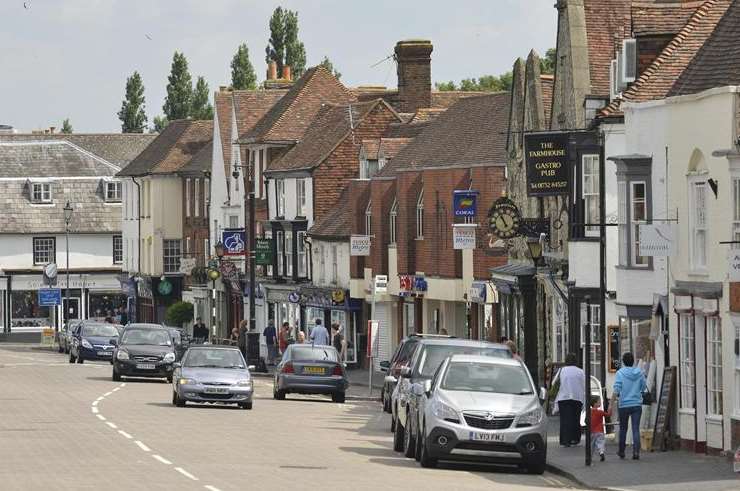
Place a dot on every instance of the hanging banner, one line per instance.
(465, 203)
(263, 252)
(657, 239)
(463, 236)
(359, 245)
(546, 157)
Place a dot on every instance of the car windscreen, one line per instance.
(313, 353)
(487, 377)
(100, 330)
(158, 337)
(406, 351)
(214, 358)
(432, 356)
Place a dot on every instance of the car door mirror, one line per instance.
(177, 364)
(251, 368)
(385, 366)
(405, 371)
(543, 394)
(427, 387)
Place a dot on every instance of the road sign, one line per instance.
(263, 252)
(381, 283)
(233, 240)
(50, 274)
(50, 297)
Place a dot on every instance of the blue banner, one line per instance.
(465, 203)
(49, 297)
(233, 240)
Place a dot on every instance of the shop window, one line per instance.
(369, 218)
(302, 255)
(590, 192)
(171, 253)
(117, 249)
(686, 333)
(289, 254)
(392, 221)
(698, 225)
(196, 198)
(638, 215)
(44, 250)
(595, 328)
(26, 310)
(113, 191)
(714, 366)
(41, 192)
(420, 216)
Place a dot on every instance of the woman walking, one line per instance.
(628, 388)
(570, 400)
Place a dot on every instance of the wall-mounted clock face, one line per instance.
(504, 219)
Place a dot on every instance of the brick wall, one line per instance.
(359, 192)
(408, 186)
(648, 49)
(734, 297)
(414, 75)
(194, 228)
(382, 194)
(489, 182)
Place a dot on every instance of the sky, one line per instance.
(70, 58)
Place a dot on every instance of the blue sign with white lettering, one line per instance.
(233, 240)
(49, 297)
(465, 203)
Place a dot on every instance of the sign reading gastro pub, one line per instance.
(546, 157)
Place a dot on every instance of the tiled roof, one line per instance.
(717, 62)
(387, 147)
(658, 79)
(223, 102)
(289, 118)
(547, 84)
(91, 213)
(440, 99)
(330, 127)
(406, 130)
(252, 105)
(427, 114)
(201, 161)
(607, 23)
(116, 148)
(471, 132)
(336, 223)
(656, 17)
(172, 149)
(44, 159)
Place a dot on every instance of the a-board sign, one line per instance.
(665, 408)
(615, 357)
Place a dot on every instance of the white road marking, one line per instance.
(100, 398)
(107, 394)
(101, 417)
(112, 425)
(116, 389)
(186, 473)
(142, 446)
(161, 459)
(95, 403)
(95, 410)
(211, 488)
(126, 435)
(123, 384)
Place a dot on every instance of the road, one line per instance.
(69, 427)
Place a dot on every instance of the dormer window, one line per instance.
(368, 168)
(113, 191)
(41, 192)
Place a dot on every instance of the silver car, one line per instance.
(212, 374)
(482, 409)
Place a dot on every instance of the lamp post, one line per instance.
(251, 232)
(535, 248)
(213, 275)
(67, 218)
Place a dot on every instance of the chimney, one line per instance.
(272, 70)
(414, 61)
(52, 129)
(286, 72)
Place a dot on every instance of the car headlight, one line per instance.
(531, 418)
(86, 344)
(169, 357)
(186, 381)
(244, 383)
(122, 355)
(443, 411)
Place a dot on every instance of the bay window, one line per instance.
(590, 192)
(633, 208)
(638, 215)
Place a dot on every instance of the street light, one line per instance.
(213, 275)
(219, 249)
(535, 249)
(250, 232)
(67, 218)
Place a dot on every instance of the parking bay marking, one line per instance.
(124, 434)
(211, 488)
(100, 417)
(161, 459)
(186, 473)
(112, 425)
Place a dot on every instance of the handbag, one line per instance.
(647, 398)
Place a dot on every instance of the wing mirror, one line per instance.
(251, 368)
(405, 371)
(177, 364)
(385, 366)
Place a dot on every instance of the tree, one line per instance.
(445, 86)
(547, 64)
(284, 47)
(326, 63)
(66, 127)
(179, 313)
(160, 123)
(177, 105)
(486, 83)
(132, 114)
(201, 108)
(242, 71)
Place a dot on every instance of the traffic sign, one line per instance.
(50, 297)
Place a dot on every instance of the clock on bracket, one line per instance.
(504, 219)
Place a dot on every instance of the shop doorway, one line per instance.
(4, 304)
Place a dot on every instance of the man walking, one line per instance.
(271, 341)
(200, 331)
(319, 335)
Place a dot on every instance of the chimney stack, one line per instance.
(414, 61)
(272, 70)
(286, 72)
(52, 129)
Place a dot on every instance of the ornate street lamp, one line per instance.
(535, 248)
(219, 249)
(67, 218)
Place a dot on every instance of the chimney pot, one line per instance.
(286, 72)
(272, 70)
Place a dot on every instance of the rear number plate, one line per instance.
(105, 353)
(145, 366)
(314, 370)
(486, 437)
(216, 390)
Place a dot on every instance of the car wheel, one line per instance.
(279, 395)
(538, 466)
(174, 398)
(409, 442)
(72, 358)
(398, 437)
(246, 405)
(338, 397)
(425, 459)
(180, 402)
(116, 376)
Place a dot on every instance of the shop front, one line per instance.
(155, 294)
(334, 306)
(482, 298)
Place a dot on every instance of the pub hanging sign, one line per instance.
(546, 157)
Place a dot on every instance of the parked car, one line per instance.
(401, 357)
(93, 341)
(212, 374)
(65, 333)
(479, 408)
(309, 369)
(144, 350)
(428, 356)
(181, 341)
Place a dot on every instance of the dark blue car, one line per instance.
(93, 341)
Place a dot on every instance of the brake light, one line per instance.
(288, 368)
(338, 371)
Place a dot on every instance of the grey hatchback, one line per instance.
(310, 369)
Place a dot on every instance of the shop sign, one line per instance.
(165, 287)
(263, 252)
(338, 296)
(463, 236)
(546, 157)
(233, 240)
(477, 292)
(231, 274)
(657, 239)
(187, 264)
(405, 283)
(294, 297)
(359, 245)
(50, 297)
(465, 203)
(733, 265)
(420, 284)
(380, 284)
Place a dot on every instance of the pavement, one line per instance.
(655, 471)
(70, 427)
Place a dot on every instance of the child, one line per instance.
(598, 440)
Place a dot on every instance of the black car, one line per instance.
(93, 341)
(144, 350)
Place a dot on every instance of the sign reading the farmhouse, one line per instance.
(546, 156)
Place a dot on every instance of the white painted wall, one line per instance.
(322, 275)
(163, 220)
(291, 199)
(85, 251)
(130, 224)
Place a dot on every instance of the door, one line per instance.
(4, 304)
(72, 308)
